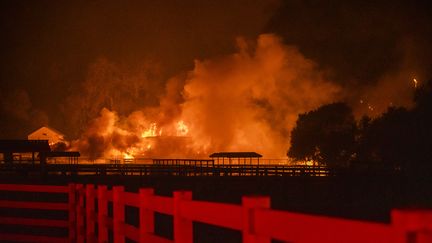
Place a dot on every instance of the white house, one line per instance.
(47, 133)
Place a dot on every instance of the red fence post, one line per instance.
(183, 230)
(146, 224)
(80, 214)
(118, 214)
(412, 226)
(90, 213)
(249, 205)
(72, 213)
(102, 214)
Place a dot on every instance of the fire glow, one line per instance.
(246, 101)
(137, 139)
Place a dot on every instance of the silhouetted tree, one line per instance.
(365, 155)
(326, 135)
(423, 98)
(389, 139)
(422, 126)
(399, 139)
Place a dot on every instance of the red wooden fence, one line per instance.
(40, 205)
(254, 218)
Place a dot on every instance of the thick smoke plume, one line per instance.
(245, 101)
(249, 101)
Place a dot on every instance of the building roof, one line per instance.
(235, 155)
(21, 146)
(49, 128)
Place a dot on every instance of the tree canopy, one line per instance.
(325, 135)
(400, 139)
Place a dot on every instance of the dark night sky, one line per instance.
(48, 46)
(357, 39)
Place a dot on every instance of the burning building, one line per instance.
(52, 135)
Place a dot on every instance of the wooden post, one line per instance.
(146, 225)
(72, 213)
(90, 213)
(249, 205)
(42, 163)
(102, 214)
(411, 226)
(118, 214)
(183, 230)
(80, 214)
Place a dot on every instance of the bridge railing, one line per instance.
(89, 207)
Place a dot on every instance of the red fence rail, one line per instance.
(39, 205)
(254, 218)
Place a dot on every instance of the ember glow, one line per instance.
(415, 83)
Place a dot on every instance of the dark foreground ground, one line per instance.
(368, 198)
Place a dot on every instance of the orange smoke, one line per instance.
(249, 101)
(246, 101)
